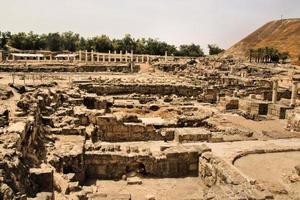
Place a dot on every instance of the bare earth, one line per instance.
(273, 170)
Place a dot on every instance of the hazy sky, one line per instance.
(223, 22)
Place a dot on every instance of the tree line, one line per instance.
(214, 49)
(70, 41)
(267, 55)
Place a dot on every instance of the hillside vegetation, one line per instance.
(283, 35)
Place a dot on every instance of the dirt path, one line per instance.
(162, 189)
(273, 128)
(146, 68)
(273, 170)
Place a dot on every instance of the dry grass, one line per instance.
(283, 35)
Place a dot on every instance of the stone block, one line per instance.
(42, 180)
(134, 181)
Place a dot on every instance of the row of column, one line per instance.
(294, 94)
(38, 58)
(95, 57)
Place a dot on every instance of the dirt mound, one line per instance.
(283, 35)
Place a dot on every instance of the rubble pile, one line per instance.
(99, 135)
(5, 93)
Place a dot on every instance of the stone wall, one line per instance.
(170, 66)
(4, 117)
(229, 103)
(253, 107)
(226, 182)
(162, 89)
(185, 135)
(92, 101)
(173, 163)
(277, 111)
(42, 181)
(109, 128)
(20, 67)
(293, 120)
(263, 151)
(23, 147)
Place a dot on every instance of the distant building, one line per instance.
(66, 56)
(25, 56)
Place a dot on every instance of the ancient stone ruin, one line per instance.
(127, 126)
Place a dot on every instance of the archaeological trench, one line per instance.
(140, 127)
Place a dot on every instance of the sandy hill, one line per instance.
(281, 34)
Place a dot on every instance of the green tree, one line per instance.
(18, 40)
(54, 42)
(42, 42)
(140, 46)
(214, 49)
(190, 50)
(156, 47)
(128, 43)
(70, 41)
(267, 55)
(4, 38)
(34, 42)
(284, 56)
(73, 42)
(251, 54)
(82, 43)
(117, 44)
(102, 43)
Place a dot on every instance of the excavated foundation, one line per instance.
(112, 135)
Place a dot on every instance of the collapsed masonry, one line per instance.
(34, 136)
(33, 143)
(71, 67)
(124, 128)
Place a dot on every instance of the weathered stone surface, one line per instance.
(134, 181)
(4, 117)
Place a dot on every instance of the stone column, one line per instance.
(231, 70)
(38, 57)
(131, 66)
(79, 55)
(294, 93)
(115, 56)
(235, 92)
(103, 57)
(50, 57)
(98, 57)
(275, 88)
(86, 56)
(126, 54)
(92, 55)
(109, 56)
(131, 55)
(121, 56)
(143, 59)
(166, 56)
(13, 57)
(148, 59)
(218, 97)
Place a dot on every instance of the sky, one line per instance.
(221, 22)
